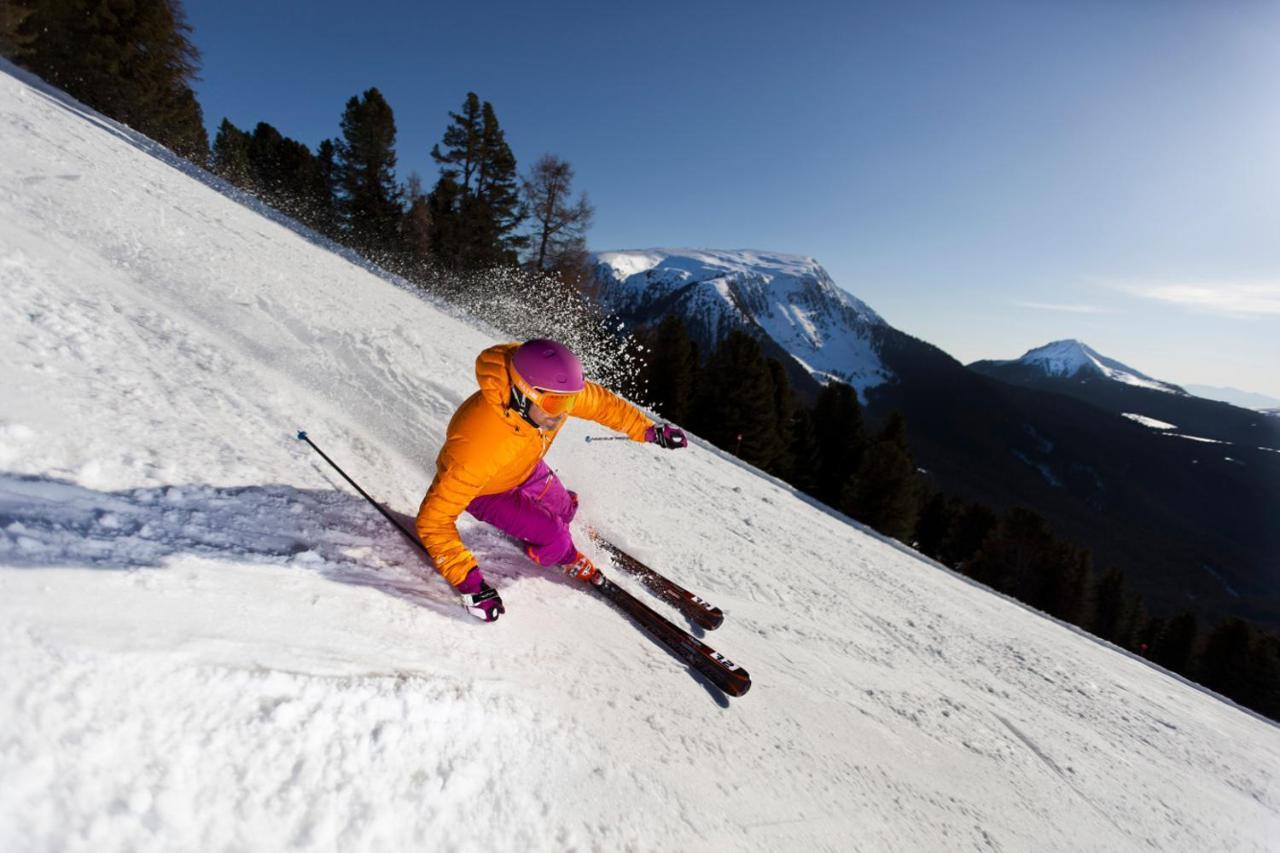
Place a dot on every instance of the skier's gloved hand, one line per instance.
(480, 600)
(666, 435)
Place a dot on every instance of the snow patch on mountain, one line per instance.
(1148, 422)
(790, 298)
(1070, 358)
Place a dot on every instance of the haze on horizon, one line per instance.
(988, 178)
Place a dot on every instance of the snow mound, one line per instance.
(208, 642)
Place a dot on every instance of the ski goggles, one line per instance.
(554, 403)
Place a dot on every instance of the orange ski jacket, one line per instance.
(489, 449)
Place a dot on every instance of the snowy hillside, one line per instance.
(1073, 359)
(788, 297)
(208, 642)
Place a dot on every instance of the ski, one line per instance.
(684, 647)
(701, 612)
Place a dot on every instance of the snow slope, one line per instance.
(790, 298)
(208, 642)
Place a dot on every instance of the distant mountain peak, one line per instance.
(1070, 357)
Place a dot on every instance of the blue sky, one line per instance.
(987, 176)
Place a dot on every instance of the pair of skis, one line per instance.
(680, 644)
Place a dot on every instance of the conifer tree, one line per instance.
(884, 491)
(369, 198)
(1174, 645)
(231, 155)
(498, 190)
(14, 40)
(837, 426)
(803, 446)
(1226, 662)
(461, 158)
(937, 515)
(1110, 607)
(476, 201)
(669, 372)
(132, 61)
(734, 407)
(326, 218)
(417, 229)
(974, 523)
(784, 407)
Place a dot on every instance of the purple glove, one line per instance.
(665, 435)
(479, 599)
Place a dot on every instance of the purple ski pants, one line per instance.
(537, 512)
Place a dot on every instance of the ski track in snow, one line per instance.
(208, 642)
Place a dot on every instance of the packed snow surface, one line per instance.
(790, 298)
(209, 642)
(1069, 358)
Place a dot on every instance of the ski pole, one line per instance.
(407, 535)
(592, 438)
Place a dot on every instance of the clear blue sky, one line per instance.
(988, 176)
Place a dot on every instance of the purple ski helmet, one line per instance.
(548, 374)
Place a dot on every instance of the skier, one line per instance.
(491, 463)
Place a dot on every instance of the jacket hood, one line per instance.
(493, 373)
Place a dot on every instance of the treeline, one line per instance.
(136, 63)
(741, 400)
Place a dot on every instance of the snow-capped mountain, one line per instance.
(787, 300)
(1077, 370)
(1075, 360)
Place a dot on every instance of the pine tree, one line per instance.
(461, 158)
(498, 190)
(231, 155)
(884, 491)
(803, 447)
(669, 372)
(784, 407)
(974, 523)
(1110, 603)
(734, 405)
(1226, 662)
(937, 516)
(1174, 645)
(327, 217)
(369, 198)
(443, 206)
(14, 40)
(417, 230)
(132, 60)
(476, 202)
(837, 426)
